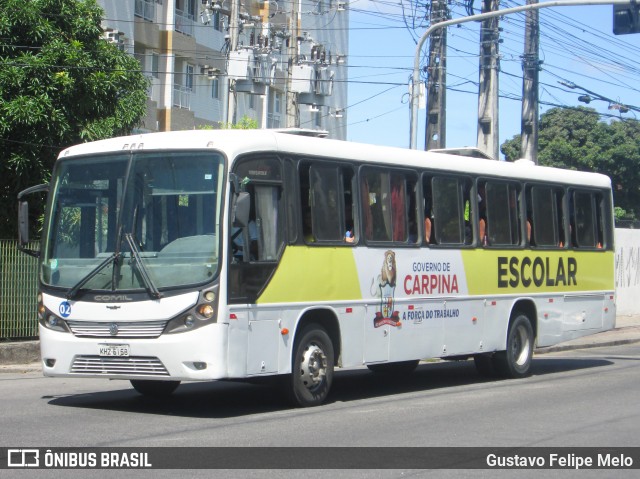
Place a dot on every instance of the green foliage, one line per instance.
(619, 213)
(576, 139)
(60, 84)
(245, 123)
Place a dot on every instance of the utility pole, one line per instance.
(436, 124)
(488, 83)
(530, 69)
(291, 115)
(234, 33)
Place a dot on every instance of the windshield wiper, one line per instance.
(142, 269)
(94, 272)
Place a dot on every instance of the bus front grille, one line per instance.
(137, 329)
(133, 365)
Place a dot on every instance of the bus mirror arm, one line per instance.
(241, 209)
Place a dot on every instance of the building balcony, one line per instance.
(182, 97)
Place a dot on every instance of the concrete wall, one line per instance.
(627, 271)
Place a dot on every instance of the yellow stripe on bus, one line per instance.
(527, 271)
(313, 274)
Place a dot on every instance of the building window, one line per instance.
(277, 99)
(145, 9)
(155, 71)
(215, 88)
(188, 80)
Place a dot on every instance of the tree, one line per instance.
(60, 84)
(576, 139)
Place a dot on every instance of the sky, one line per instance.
(576, 45)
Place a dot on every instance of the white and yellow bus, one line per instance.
(208, 255)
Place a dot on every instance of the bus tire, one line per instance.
(515, 362)
(311, 368)
(398, 367)
(148, 387)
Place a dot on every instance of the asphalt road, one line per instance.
(574, 398)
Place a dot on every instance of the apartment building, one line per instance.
(212, 62)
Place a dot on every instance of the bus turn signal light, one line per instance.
(205, 310)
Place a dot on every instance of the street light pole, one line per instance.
(415, 84)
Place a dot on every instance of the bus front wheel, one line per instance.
(311, 369)
(148, 387)
(515, 362)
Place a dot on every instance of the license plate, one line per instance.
(114, 350)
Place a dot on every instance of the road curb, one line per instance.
(20, 352)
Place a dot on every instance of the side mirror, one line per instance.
(23, 223)
(241, 209)
(23, 219)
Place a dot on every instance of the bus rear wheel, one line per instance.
(515, 362)
(148, 387)
(311, 369)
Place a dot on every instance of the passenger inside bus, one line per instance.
(482, 215)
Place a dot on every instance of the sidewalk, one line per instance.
(25, 355)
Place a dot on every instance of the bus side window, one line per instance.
(482, 214)
(600, 223)
(546, 221)
(412, 208)
(348, 189)
(503, 214)
(376, 197)
(326, 197)
(327, 220)
(269, 221)
(560, 217)
(427, 201)
(389, 206)
(448, 210)
(586, 220)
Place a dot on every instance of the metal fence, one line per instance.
(18, 290)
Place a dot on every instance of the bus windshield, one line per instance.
(134, 221)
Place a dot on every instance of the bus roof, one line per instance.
(238, 142)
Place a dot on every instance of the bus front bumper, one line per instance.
(189, 356)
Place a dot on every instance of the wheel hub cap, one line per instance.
(314, 366)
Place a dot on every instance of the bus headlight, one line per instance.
(201, 314)
(50, 321)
